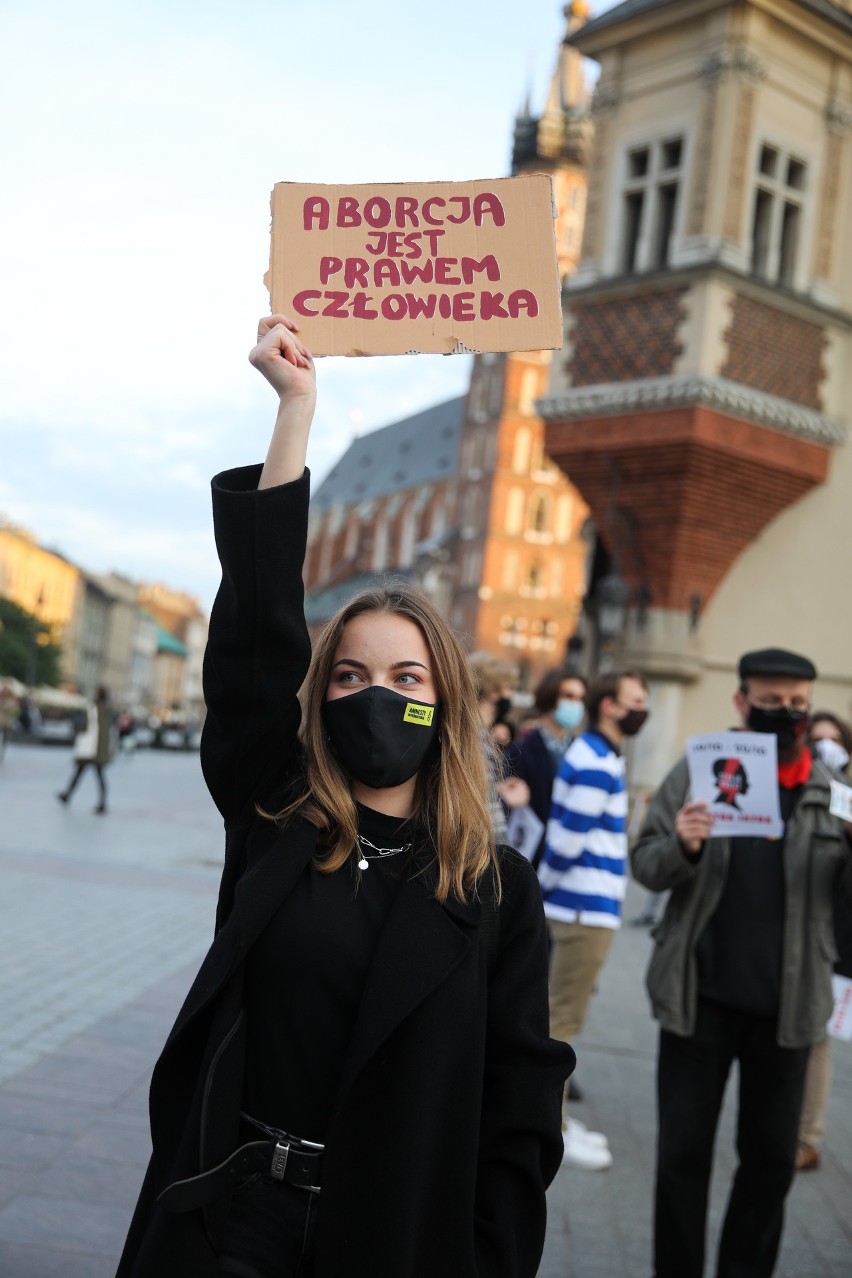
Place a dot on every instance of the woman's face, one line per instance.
(382, 648)
(825, 730)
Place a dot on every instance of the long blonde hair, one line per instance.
(451, 796)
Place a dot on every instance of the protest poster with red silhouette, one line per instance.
(736, 775)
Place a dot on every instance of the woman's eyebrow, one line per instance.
(397, 665)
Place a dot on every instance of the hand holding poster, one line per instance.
(385, 269)
(736, 775)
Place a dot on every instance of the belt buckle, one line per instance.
(280, 1154)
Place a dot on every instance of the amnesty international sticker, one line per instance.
(419, 714)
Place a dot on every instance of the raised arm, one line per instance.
(287, 365)
(258, 648)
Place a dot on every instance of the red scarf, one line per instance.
(797, 771)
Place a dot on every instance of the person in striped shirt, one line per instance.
(583, 872)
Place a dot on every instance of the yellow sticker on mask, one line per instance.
(418, 714)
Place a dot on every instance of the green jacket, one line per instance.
(817, 863)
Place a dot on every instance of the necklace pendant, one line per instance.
(363, 864)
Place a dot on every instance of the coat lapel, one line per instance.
(419, 946)
(275, 863)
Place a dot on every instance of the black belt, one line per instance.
(288, 1161)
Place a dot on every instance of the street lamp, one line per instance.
(611, 599)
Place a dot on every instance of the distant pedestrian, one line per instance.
(93, 749)
(536, 756)
(831, 741)
(8, 715)
(583, 872)
(741, 970)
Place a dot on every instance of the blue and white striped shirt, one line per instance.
(583, 873)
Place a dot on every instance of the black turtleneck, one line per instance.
(304, 978)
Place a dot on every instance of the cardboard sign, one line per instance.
(387, 269)
(736, 775)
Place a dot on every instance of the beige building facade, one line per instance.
(702, 401)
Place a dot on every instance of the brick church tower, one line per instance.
(701, 399)
(523, 558)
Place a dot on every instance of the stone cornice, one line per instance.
(838, 117)
(726, 396)
(745, 65)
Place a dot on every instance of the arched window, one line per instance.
(564, 511)
(515, 510)
(472, 516)
(528, 392)
(521, 450)
(380, 543)
(408, 537)
(510, 570)
(539, 513)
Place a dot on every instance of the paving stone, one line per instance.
(42, 1262)
(110, 921)
(62, 1223)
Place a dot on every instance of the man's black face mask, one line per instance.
(380, 737)
(789, 726)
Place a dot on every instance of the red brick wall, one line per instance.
(622, 338)
(699, 486)
(775, 352)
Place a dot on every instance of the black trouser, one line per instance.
(691, 1078)
(82, 764)
(270, 1231)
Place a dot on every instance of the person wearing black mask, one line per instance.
(741, 970)
(361, 1079)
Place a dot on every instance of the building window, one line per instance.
(510, 570)
(408, 537)
(528, 392)
(515, 510)
(539, 514)
(779, 196)
(380, 543)
(653, 180)
(472, 516)
(352, 531)
(564, 511)
(521, 451)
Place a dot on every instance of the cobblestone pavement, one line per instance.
(102, 923)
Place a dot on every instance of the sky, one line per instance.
(139, 143)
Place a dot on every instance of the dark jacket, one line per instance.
(446, 1128)
(817, 867)
(531, 760)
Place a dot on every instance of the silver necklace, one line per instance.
(378, 853)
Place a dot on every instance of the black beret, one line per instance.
(776, 663)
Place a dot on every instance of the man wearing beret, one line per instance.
(741, 970)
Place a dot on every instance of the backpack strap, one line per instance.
(489, 922)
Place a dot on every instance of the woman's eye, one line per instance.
(408, 678)
(347, 676)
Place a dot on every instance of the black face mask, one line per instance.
(504, 705)
(789, 726)
(380, 737)
(632, 722)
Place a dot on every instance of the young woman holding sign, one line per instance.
(361, 1079)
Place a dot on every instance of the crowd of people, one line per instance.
(371, 1073)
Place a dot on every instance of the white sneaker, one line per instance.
(580, 1153)
(593, 1138)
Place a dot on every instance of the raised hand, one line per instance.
(282, 358)
(288, 366)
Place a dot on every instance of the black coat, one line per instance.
(446, 1128)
